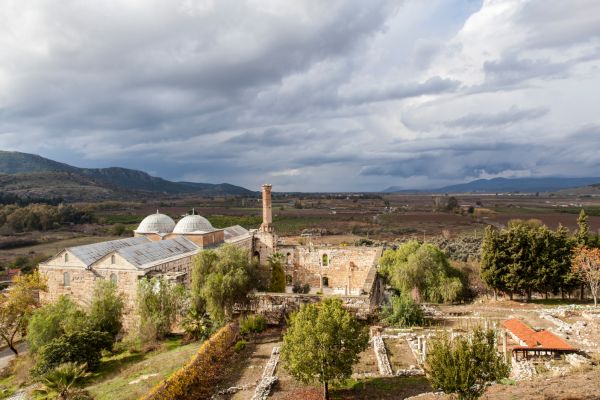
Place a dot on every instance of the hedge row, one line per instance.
(197, 379)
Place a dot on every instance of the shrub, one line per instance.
(402, 311)
(52, 321)
(196, 380)
(196, 326)
(298, 288)
(61, 383)
(465, 366)
(84, 347)
(240, 345)
(252, 324)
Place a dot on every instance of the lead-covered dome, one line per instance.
(156, 223)
(193, 223)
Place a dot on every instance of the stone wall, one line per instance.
(276, 306)
(82, 281)
(342, 269)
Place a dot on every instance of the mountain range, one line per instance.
(504, 185)
(32, 175)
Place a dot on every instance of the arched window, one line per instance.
(66, 257)
(289, 258)
(325, 260)
(325, 281)
(113, 278)
(66, 278)
(288, 280)
(113, 259)
(256, 256)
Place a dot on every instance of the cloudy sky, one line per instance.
(307, 95)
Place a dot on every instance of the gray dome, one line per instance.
(156, 223)
(193, 223)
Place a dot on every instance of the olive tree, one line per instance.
(322, 343)
(17, 305)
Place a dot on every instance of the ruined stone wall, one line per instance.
(276, 306)
(343, 267)
(264, 244)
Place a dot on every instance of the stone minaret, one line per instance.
(267, 224)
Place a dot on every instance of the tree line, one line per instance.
(40, 217)
(527, 257)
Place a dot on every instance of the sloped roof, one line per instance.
(90, 253)
(536, 339)
(150, 253)
(233, 232)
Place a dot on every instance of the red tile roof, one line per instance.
(536, 339)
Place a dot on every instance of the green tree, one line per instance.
(277, 273)
(322, 343)
(402, 311)
(54, 320)
(424, 270)
(159, 303)
(583, 228)
(465, 366)
(17, 305)
(106, 310)
(222, 278)
(527, 257)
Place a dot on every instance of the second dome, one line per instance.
(193, 223)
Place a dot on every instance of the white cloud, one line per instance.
(337, 95)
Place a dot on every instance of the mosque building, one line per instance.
(161, 247)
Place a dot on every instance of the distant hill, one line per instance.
(30, 174)
(503, 185)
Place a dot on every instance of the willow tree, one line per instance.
(221, 278)
(423, 270)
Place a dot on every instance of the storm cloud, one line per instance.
(307, 95)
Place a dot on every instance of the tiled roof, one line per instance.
(536, 339)
(153, 252)
(90, 253)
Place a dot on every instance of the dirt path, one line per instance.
(249, 366)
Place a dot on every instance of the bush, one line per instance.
(196, 326)
(84, 347)
(402, 311)
(52, 321)
(252, 324)
(61, 383)
(465, 366)
(196, 380)
(240, 345)
(298, 288)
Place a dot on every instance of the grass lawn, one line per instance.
(129, 376)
